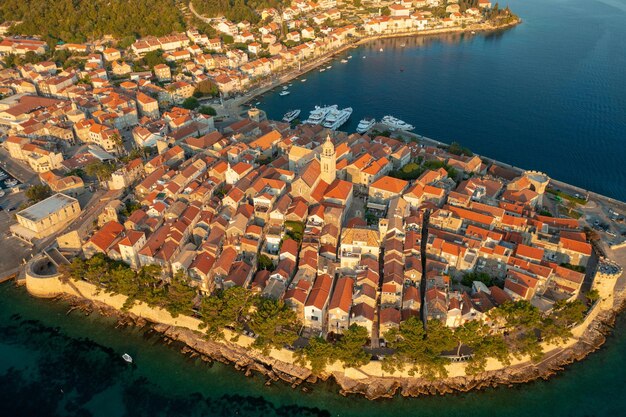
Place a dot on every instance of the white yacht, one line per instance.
(395, 123)
(303, 80)
(291, 115)
(318, 114)
(127, 358)
(336, 118)
(344, 61)
(349, 56)
(322, 69)
(365, 125)
(284, 93)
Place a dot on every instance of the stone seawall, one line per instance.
(370, 380)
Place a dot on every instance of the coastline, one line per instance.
(279, 364)
(236, 104)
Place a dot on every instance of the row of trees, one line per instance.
(174, 295)
(272, 321)
(349, 350)
(426, 351)
(423, 351)
(82, 20)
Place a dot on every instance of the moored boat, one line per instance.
(396, 124)
(291, 115)
(365, 124)
(337, 118)
(127, 358)
(318, 114)
(284, 93)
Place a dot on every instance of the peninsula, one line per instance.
(383, 259)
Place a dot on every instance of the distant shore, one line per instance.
(236, 104)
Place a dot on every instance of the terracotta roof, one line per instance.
(390, 184)
(342, 296)
(529, 252)
(320, 292)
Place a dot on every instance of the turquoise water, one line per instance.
(549, 94)
(53, 364)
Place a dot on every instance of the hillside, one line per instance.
(82, 20)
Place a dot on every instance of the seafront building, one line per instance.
(46, 217)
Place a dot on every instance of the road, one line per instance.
(16, 169)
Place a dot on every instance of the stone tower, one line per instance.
(328, 161)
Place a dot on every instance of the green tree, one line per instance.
(274, 323)
(37, 193)
(318, 353)
(100, 170)
(180, 295)
(265, 262)
(420, 350)
(556, 326)
(592, 296)
(224, 308)
(154, 58)
(349, 349)
(470, 277)
(483, 343)
(208, 110)
(190, 103)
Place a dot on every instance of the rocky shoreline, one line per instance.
(195, 344)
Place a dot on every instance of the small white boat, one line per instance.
(303, 80)
(127, 358)
(284, 93)
(329, 67)
(402, 45)
(322, 69)
(285, 87)
(364, 57)
(257, 103)
(381, 49)
(290, 84)
(473, 33)
(291, 115)
(11, 182)
(344, 61)
(349, 56)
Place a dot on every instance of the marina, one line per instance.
(7, 181)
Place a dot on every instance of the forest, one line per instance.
(237, 10)
(82, 20)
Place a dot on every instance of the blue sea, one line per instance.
(549, 94)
